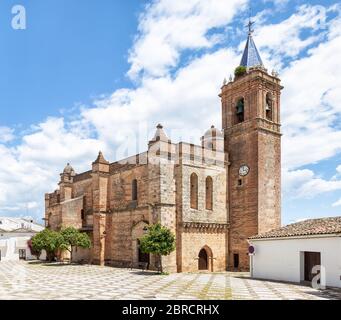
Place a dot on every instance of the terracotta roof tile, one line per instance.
(305, 228)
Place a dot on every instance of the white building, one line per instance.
(291, 253)
(14, 236)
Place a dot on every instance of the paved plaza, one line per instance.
(23, 280)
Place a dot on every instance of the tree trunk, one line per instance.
(161, 268)
(71, 255)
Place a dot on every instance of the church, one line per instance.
(213, 196)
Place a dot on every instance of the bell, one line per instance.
(240, 110)
(268, 108)
(240, 107)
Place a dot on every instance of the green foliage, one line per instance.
(240, 71)
(73, 238)
(159, 241)
(52, 241)
(47, 240)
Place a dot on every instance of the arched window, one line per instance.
(134, 190)
(269, 106)
(240, 110)
(194, 191)
(209, 193)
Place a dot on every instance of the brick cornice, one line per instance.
(202, 226)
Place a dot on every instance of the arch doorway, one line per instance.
(143, 257)
(203, 260)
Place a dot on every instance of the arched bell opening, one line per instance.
(269, 107)
(240, 111)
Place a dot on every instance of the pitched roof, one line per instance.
(13, 224)
(311, 227)
(251, 56)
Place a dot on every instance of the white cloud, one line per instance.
(285, 39)
(305, 184)
(278, 3)
(311, 104)
(6, 134)
(337, 203)
(32, 168)
(186, 104)
(168, 27)
(186, 100)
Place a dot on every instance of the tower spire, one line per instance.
(251, 56)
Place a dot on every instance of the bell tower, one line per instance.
(251, 123)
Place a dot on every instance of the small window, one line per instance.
(240, 111)
(240, 182)
(192, 157)
(194, 191)
(134, 190)
(82, 215)
(209, 193)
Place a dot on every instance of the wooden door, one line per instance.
(203, 260)
(22, 254)
(311, 259)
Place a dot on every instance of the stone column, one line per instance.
(100, 180)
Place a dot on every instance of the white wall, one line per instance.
(282, 259)
(10, 243)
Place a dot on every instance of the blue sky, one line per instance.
(84, 73)
(70, 51)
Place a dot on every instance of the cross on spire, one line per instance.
(251, 23)
(249, 26)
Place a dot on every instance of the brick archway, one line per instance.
(205, 259)
(137, 232)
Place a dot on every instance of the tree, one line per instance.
(240, 71)
(47, 240)
(159, 241)
(73, 238)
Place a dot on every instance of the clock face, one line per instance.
(244, 170)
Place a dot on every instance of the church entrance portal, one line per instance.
(203, 260)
